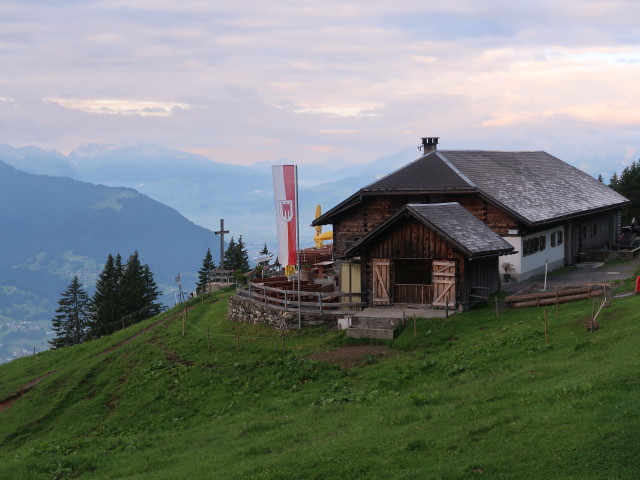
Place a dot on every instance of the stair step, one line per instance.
(363, 332)
(376, 322)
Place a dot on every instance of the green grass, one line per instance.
(473, 396)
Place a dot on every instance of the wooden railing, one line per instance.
(312, 297)
(413, 293)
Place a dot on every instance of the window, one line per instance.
(594, 229)
(583, 231)
(534, 244)
(553, 239)
(560, 233)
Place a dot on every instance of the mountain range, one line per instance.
(61, 215)
(205, 191)
(52, 228)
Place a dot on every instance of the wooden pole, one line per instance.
(282, 338)
(415, 330)
(497, 311)
(184, 319)
(557, 306)
(546, 329)
(446, 307)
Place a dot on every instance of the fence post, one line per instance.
(446, 307)
(415, 331)
(497, 311)
(320, 300)
(557, 306)
(282, 338)
(184, 319)
(546, 330)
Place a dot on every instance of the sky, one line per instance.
(326, 82)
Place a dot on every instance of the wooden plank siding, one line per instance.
(481, 278)
(410, 239)
(356, 222)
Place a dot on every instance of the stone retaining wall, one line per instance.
(249, 311)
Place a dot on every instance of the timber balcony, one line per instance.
(283, 294)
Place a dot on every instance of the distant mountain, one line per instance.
(52, 228)
(205, 191)
(38, 161)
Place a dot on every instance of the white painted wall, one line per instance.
(534, 264)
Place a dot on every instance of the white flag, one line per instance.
(285, 189)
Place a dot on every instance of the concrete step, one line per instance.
(375, 322)
(364, 332)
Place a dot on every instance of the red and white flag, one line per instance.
(285, 189)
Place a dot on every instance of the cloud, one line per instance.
(143, 108)
(322, 82)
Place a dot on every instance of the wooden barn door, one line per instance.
(381, 281)
(444, 283)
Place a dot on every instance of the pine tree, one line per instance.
(151, 293)
(229, 255)
(133, 288)
(70, 323)
(242, 256)
(628, 184)
(106, 305)
(613, 181)
(205, 272)
(600, 178)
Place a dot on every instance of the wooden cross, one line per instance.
(221, 233)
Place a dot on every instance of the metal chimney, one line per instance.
(429, 144)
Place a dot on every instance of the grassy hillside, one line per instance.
(474, 396)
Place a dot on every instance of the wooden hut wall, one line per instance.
(410, 239)
(359, 220)
(481, 272)
(598, 231)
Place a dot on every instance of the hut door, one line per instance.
(381, 281)
(444, 283)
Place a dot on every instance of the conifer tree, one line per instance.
(70, 323)
(139, 291)
(628, 184)
(151, 293)
(236, 257)
(106, 304)
(205, 272)
(229, 255)
(242, 256)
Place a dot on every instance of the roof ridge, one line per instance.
(396, 170)
(455, 169)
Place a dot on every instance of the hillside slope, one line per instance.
(54, 227)
(474, 396)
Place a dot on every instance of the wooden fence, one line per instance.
(311, 297)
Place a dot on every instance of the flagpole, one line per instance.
(298, 250)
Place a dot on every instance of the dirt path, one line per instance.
(11, 399)
(350, 356)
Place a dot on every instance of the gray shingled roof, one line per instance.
(451, 220)
(428, 173)
(535, 187)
